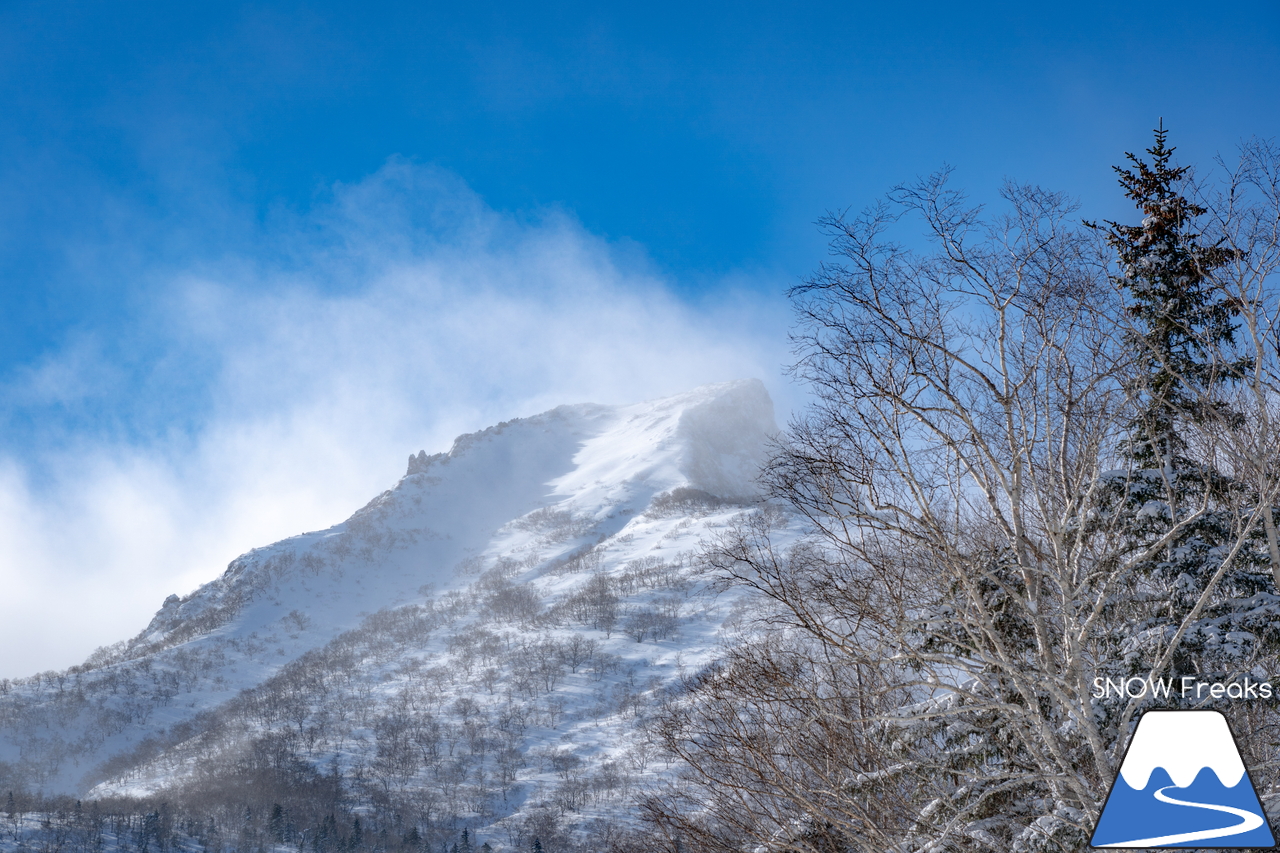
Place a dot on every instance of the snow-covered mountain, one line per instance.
(477, 642)
(1183, 743)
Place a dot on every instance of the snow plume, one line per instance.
(256, 396)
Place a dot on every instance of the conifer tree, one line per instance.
(1205, 581)
(276, 823)
(1183, 320)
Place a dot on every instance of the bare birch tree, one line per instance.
(1013, 489)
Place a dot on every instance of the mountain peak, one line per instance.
(1182, 743)
(560, 548)
(714, 439)
(587, 459)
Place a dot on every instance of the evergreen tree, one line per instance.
(1183, 320)
(150, 831)
(327, 836)
(276, 823)
(1213, 575)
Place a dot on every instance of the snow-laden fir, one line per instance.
(476, 644)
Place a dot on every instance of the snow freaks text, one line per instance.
(1185, 687)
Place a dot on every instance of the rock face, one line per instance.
(542, 572)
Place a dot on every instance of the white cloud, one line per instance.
(400, 315)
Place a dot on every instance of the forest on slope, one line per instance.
(537, 592)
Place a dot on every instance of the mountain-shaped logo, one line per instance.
(1182, 783)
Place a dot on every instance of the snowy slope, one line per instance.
(478, 640)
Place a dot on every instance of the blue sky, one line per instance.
(254, 254)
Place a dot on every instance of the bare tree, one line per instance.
(996, 524)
